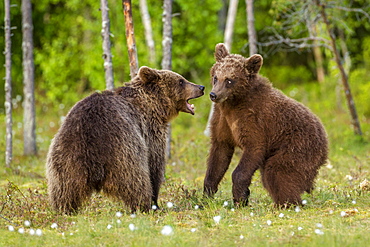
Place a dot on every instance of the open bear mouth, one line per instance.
(189, 106)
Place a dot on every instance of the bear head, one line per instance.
(173, 90)
(232, 73)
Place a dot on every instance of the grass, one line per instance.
(337, 213)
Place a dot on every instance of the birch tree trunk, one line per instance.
(29, 123)
(130, 37)
(229, 30)
(252, 36)
(107, 54)
(351, 104)
(8, 85)
(228, 38)
(148, 30)
(167, 53)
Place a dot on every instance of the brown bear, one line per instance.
(114, 141)
(278, 135)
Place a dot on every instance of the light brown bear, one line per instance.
(278, 135)
(115, 141)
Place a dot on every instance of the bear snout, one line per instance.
(213, 96)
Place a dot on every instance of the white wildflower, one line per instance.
(319, 225)
(118, 221)
(300, 228)
(38, 232)
(193, 229)
(319, 232)
(353, 202)
(251, 214)
(217, 219)
(132, 227)
(133, 215)
(11, 228)
(297, 209)
(304, 202)
(119, 214)
(196, 207)
(226, 203)
(32, 231)
(27, 223)
(281, 215)
(109, 226)
(167, 230)
(54, 225)
(349, 177)
(21, 230)
(154, 207)
(269, 222)
(169, 204)
(343, 214)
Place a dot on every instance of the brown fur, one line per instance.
(279, 136)
(115, 141)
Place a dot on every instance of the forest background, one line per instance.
(69, 66)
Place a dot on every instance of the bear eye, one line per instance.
(181, 82)
(229, 82)
(215, 80)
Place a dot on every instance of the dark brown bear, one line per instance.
(277, 135)
(115, 141)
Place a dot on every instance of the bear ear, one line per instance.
(254, 64)
(148, 75)
(221, 52)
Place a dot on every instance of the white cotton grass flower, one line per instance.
(21, 230)
(38, 232)
(281, 215)
(169, 204)
(119, 221)
(11, 228)
(54, 226)
(217, 219)
(304, 202)
(196, 207)
(269, 222)
(251, 214)
(319, 225)
(132, 227)
(319, 232)
(193, 229)
(154, 207)
(354, 202)
(241, 236)
(297, 209)
(133, 215)
(119, 214)
(27, 223)
(109, 226)
(300, 228)
(167, 230)
(226, 203)
(349, 177)
(343, 214)
(32, 232)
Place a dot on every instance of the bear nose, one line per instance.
(201, 88)
(213, 96)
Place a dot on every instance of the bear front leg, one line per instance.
(157, 166)
(242, 177)
(217, 165)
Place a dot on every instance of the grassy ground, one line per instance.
(337, 213)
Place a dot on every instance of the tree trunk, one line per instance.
(29, 123)
(228, 38)
(351, 104)
(8, 85)
(229, 30)
(148, 30)
(130, 37)
(167, 53)
(107, 54)
(252, 36)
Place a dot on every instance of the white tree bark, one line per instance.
(148, 30)
(229, 29)
(8, 85)
(252, 36)
(29, 123)
(167, 53)
(107, 54)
